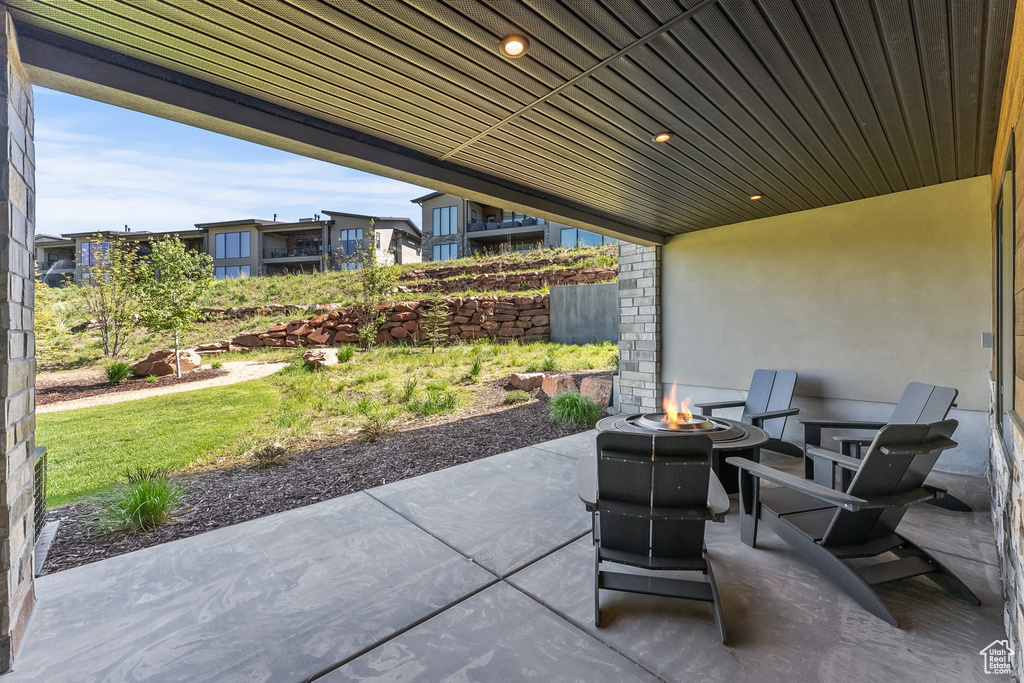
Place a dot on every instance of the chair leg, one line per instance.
(832, 567)
(597, 589)
(942, 576)
(717, 603)
(750, 490)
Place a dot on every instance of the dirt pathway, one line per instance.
(237, 371)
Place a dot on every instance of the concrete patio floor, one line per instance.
(484, 572)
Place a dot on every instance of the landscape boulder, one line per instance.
(527, 381)
(558, 384)
(161, 362)
(598, 389)
(320, 358)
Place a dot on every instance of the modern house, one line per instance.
(824, 187)
(454, 227)
(246, 247)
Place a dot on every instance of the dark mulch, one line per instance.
(78, 387)
(223, 497)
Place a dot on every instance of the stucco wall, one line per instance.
(859, 298)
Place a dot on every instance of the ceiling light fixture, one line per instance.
(754, 197)
(515, 46)
(663, 136)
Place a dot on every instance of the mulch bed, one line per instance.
(223, 497)
(78, 387)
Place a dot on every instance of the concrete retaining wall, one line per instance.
(585, 314)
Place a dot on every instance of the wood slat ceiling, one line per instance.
(808, 102)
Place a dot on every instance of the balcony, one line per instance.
(293, 252)
(476, 226)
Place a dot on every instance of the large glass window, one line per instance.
(350, 240)
(231, 272)
(446, 221)
(574, 237)
(446, 252)
(231, 245)
(94, 253)
(516, 219)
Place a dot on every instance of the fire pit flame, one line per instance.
(676, 411)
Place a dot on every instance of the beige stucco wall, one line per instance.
(859, 298)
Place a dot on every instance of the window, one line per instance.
(474, 216)
(94, 253)
(350, 240)
(376, 240)
(573, 237)
(1003, 351)
(446, 252)
(231, 245)
(231, 272)
(519, 219)
(446, 221)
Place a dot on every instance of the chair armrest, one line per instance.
(706, 408)
(638, 510)
(830, 496)
(718, 499)
(843, 424)
(900, 500)
(586, 481)
(926, 447)
(757, 418)
(843, 461)
(862, 440)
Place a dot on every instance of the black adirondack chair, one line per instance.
(652, 505)
(766, 406)
(829, 528)
(919, 404)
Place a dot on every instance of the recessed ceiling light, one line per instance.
(663, 136)
(515, 46)
(755, 197)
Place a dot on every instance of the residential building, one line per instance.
(62, 259)
(55, 260)
(454, 227)
(251, 246)
(397, 239)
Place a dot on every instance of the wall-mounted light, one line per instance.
(663, 136)
(514, 46)
(754, 197)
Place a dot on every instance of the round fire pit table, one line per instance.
(729, 438)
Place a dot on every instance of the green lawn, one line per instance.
(89, 448)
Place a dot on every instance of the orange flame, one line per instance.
(676, 410)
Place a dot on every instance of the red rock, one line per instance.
(459, 319)
(273, 341)
(320, 358)
(280, 335)
(503, 318)
(249, 340)
(161, 362)
(411, 326)
(319, 320)
(598, 389)
(278, 328)
(489, 325)
(346, 338)
(538, 331)
(383, 338)
(402, 317)
(510, 332)
(320, 336)
(541, 320)
(527, 381)
(558, 384)
(399, 333)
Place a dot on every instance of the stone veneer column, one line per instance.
(17, 363)
(639, 328)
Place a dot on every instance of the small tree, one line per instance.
(377, 281)
(172, 286)
(434, 322)
(112, 271)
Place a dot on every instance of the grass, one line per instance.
(118, 371)
(573, 408)
(516, 396)
(88, 449)
(364, 397)
(145, 501)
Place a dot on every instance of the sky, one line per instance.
(100, 167)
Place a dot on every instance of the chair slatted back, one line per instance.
(923, 404)
(652, 473)
(884, 474)
(770, 390)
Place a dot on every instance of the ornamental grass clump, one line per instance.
(516, 396)
(571, 408)
(143, 502)
(118, 371)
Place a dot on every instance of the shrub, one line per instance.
(268, 454)
(152, 379)
(376, 425)
(572, 408)
(144, 502)
(516, 396)
(436, 403)
(549, 363)
(474, 370)
(118, 371)
(346, 353)
(216, 365)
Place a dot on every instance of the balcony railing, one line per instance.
(293, 251)
(475, 226)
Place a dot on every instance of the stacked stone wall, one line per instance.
(639, 328)
(477, 317)
(1006, 481)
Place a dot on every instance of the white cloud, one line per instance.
(90, 179)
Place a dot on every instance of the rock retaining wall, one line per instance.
(475, 317)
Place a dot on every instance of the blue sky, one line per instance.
(100, 167)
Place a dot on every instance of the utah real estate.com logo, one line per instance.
(997, 657)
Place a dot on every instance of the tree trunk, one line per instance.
(177, 358)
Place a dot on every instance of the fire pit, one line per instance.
(730, 436)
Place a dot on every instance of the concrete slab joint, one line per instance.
(17, 363)
(639, 328)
